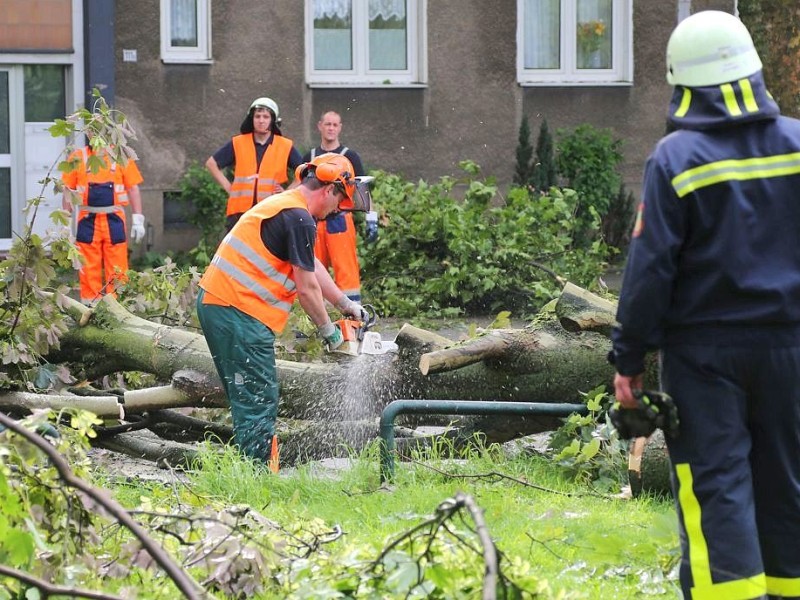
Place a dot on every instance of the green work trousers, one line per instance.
(243, 350)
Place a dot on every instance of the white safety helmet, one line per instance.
(708, 48)
(266, 103)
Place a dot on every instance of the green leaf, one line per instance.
(18, 546)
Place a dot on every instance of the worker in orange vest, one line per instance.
(336, 235)
(261, 157)
(263, 264)
(101, 189)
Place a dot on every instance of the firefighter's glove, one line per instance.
(353, 309)
(137, 229)
(654, 410)
(332, 335)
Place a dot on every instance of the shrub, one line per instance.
(587, 160)
(442, 256)
(618, 221)
(205, 208)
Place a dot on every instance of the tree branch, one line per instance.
(183, 581)
(53, 590)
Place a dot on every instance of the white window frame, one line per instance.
(621, 71)
(200, 54)
(415, 75)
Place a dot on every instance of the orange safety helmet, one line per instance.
(337, 169)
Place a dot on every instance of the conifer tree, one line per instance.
(522, 171)
(544, 171)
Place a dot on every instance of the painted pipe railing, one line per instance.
(459, 407)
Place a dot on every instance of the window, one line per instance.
(574, 42)
(362, 43)
(186, 31)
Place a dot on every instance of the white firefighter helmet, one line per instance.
(269, 103)
(708, 48)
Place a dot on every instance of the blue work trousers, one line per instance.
(736, 468)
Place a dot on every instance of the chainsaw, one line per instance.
(358, 339)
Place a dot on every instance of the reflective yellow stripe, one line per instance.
(739, 589)
(685, 102)
(764, 167)
(749, 98)
(690, 507)
(704, 588)
(783, 586)
(730, 100)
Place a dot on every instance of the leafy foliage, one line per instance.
(440, 256)
(588, 447)
(587, 160)
(31, 297)
(43, 526)
(165, 294)
(775, 27)
(617, 223)
(205, 202)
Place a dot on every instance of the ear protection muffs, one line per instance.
(328, 172)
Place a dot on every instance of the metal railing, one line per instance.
(459, 407)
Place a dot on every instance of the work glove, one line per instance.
(372, 226)
(353, 309)
(137, 229)
(332, 335)
(655, 409)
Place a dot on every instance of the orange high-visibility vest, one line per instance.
(264, 180)
(80, 177)
(246, 275)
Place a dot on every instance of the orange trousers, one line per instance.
(106, 264)
(336, 247)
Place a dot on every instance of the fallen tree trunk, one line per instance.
(540, 363)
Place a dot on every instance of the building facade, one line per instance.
(420, 84)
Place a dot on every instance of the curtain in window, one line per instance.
(385, 9)
(542, 34)
(333, 35)
(183, 23)
(593, 39)
(388, 35)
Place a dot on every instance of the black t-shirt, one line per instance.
(290, 235)
(351, 155)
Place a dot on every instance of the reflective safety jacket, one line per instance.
(104, 192)
(108, 184)
(246, 275)
(262, 181)
(715, 247)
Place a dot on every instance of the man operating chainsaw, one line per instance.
(713, 281)
(264, 262)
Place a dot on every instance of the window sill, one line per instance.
(568, 83)
(365, 85)
(187, 61)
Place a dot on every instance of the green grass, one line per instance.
(554, 534)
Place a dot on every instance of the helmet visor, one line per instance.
(359, 198)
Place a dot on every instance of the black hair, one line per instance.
(247, 124)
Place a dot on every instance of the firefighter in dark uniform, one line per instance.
(713, 282)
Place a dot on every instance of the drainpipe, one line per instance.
(459, 407)
(684, 9)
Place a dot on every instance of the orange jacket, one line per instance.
(265, 180)
(246, 275)
(122, 177)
